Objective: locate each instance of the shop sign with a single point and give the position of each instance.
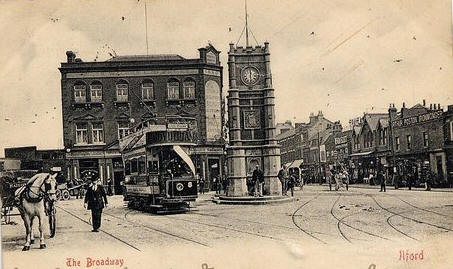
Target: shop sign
(418, 119)
(341, 140)
(177, 126)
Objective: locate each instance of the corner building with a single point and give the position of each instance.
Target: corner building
(102, 100)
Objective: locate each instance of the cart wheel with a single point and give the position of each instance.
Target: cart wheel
(58, 194)
(65, 195)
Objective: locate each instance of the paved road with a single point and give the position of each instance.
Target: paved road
(358, 217)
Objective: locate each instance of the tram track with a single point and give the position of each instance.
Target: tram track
(405, 217)
(420, 208)
(338, 220)
(125, 218)
(227, 228)
(302, 229)
(109, 234)
(396, 229)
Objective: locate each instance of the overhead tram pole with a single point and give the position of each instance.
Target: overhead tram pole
(146, 28)
(246, 26)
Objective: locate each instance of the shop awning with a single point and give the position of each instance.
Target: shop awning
(296, 163)
(185, 157)
(361, 154)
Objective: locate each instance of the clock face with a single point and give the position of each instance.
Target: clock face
(250, 75)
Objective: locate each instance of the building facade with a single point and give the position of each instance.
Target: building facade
(102, 100)
(421, 137)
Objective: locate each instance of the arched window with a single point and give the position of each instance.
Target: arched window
(96, 92)
(122, 91)
(148, 90)
(189, 89)
(173, 89)
(80, 92)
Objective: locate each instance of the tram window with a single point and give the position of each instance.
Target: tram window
(127, 168)
(134, 166)
(141, 165)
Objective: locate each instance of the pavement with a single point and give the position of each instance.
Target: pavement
(361, 219)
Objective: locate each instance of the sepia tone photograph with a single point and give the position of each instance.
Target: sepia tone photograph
(226, 134)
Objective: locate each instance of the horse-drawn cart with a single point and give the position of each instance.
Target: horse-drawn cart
(72, 188)
(9, 186)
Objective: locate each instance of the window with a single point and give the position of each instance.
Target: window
(96, 93)
(134, 165)
(148, 91)
(98, 133)
(121, 92)
(409, 141)
(425, 139)
(397, 143)
(189, 89)
(173, 90)
(123, 129)
(142, 165)
(81, 133)
(80, 94)
(384, 135)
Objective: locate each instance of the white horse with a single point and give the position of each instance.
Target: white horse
(39, 190)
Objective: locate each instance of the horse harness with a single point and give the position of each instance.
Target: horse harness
(40, 195)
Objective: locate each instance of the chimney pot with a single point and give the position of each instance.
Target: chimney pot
(424, 102)
(70, 56)
(438, 106)
(404, 105)
(430, 106)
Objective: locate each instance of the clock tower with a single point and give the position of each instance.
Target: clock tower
(251, 117)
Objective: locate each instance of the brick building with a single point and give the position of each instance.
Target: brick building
(102, 100)
(370, 145)
(421, 136)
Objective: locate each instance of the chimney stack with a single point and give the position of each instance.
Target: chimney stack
(70, 56)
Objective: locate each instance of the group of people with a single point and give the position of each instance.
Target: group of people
(339, 177)
(287, 180)
(218, 184)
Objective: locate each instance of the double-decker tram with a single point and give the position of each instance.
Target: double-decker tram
(159, 172)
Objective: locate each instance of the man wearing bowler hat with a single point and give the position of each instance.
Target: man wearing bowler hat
(95, 200)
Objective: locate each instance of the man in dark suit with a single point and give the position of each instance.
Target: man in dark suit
(258, 180)
(95, 200)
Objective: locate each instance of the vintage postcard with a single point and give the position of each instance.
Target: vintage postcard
(226, 134)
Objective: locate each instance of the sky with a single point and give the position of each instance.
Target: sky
(344, 57)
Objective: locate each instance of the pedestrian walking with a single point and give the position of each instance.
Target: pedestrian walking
(95, 200)
(337, 180)
(291, 183)
(283, 176)
(258, 180)
(109, 187)
(225, 185)
(346, 179)
(329, 178)
(409, 180)
(201, 182)
(380, 177)
(429, 177)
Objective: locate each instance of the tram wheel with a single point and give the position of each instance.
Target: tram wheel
(65, 195)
